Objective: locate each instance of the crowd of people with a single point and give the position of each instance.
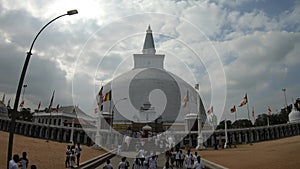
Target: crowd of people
(72, 159)
(174, 158)
(22, 162)
(73, 156)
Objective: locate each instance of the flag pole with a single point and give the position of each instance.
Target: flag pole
(49, 111)
(248, 108)
(235, 115)
(226, 138)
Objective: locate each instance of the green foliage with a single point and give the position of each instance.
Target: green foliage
(222, 125)
(242, 123)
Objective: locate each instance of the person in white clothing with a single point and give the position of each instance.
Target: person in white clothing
(177, 158)
(13, 163)
(136, 164)
(24, 161)
(188, 159)
(122, 164)
(195, 157)
(108, 165)
(152, 162)
(198, 164)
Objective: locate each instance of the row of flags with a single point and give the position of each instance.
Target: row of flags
(244, 102)
(22, 104)
(103, 98)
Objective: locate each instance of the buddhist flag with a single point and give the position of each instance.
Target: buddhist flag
(8, 103)
(211, 110)
(232, 110)
(244, 101)
(197, 86)
(22, 104)
(100, 96)
(57, 107)
(39, 106)
(269, 111)
(51, 101)
(107, 96)
(185, 99)
(3, 98)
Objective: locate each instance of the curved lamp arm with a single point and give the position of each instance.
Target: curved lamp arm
(16, 103)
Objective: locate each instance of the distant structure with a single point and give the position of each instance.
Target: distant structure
(294, 115)
(3, 110)
(64, 116)
(148, 75)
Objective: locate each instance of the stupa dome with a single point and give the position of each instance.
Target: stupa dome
(294, 116)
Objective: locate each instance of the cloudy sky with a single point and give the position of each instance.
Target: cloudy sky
(229, 47)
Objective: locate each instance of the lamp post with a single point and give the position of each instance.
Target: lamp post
(21, 80)
(112, 111)
(24, 88)
(284, 89)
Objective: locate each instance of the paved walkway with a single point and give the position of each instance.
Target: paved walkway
(116, 160)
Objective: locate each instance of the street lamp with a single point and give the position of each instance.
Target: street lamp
(13, 116)
(112, 111)
(24, 87)
(284, 89)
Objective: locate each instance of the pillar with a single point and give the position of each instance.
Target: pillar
(251, 136)
(246, 137)
(257, 135)
(240, 137)
(78, 137)
(64, 135)
(85, 139)
(220, 140)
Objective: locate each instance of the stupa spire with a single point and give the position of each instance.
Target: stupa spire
(149, 47)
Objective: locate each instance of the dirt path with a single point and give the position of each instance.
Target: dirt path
(46, 155)
(276, 154)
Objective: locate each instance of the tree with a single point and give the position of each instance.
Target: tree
(222, 125)
(242, 123)
(297, 104)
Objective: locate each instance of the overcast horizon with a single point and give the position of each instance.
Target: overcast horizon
(228, 47)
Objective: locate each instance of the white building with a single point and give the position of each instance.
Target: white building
(64, 116)
(148, 93)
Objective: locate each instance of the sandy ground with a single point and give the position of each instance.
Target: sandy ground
(282, 153)
(276, 154)
(46, 155)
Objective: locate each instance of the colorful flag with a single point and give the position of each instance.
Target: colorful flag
(197, 86)
(3, 98)
(185, 99)
(51, 101)
(244, 101)
(100, 96)
(57, 107)
(232, 110)
(8, 103)
(39, 106)
(269, 111)
(211, 110)
(107, 96)
(22, 104)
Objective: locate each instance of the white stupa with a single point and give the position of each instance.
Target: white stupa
(148, 92)
(294, 116)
